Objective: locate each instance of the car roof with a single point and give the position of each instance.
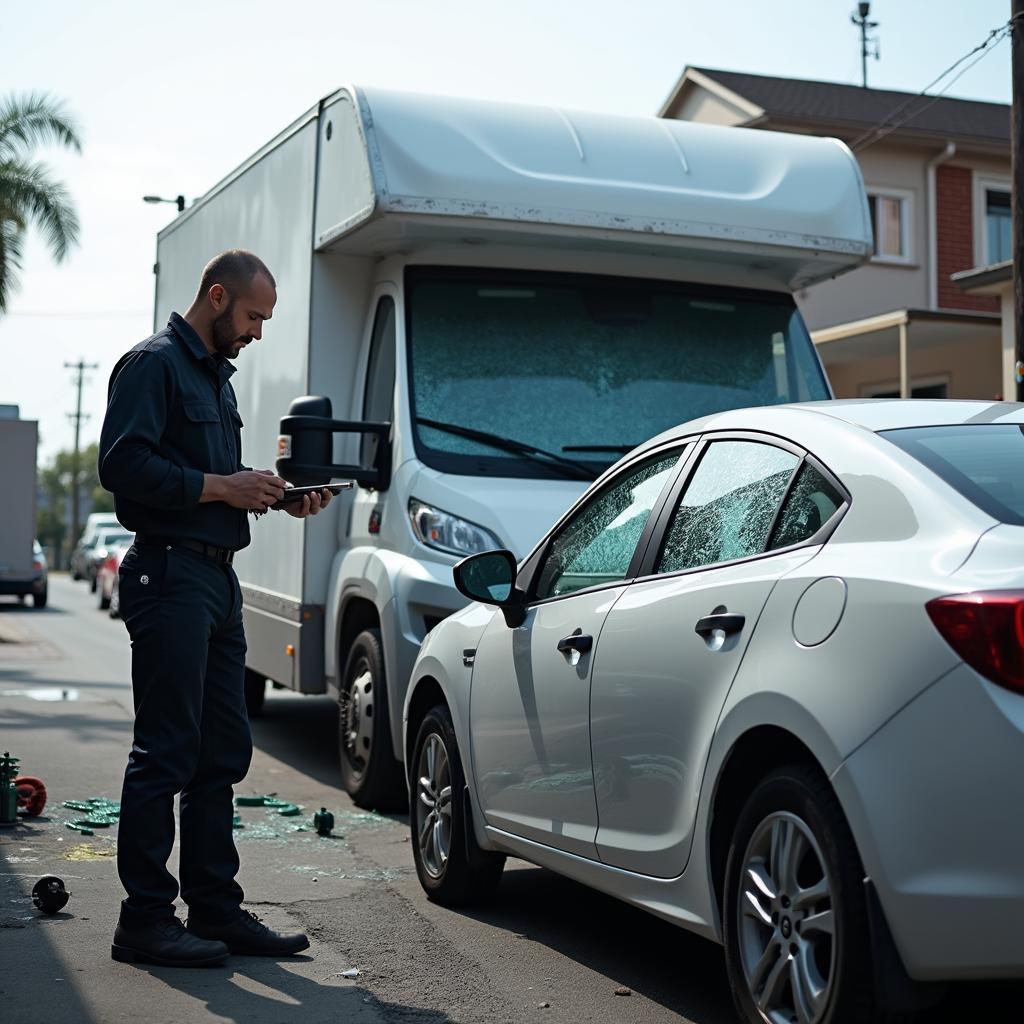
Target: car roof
(875, 415)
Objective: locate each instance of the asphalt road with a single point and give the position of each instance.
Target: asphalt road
(545, 949)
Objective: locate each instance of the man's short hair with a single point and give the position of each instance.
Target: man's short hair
(234, 269)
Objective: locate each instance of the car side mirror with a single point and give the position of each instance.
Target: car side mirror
(490, 578)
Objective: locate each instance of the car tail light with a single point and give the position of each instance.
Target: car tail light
(37, 565)
(987, 630)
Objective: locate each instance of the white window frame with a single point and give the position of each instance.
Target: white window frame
(880, 388)
(984, 183)
(906, 197)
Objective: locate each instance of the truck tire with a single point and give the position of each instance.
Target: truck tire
(451, 867)
(369, 771)
(39, 600)
(255, 692)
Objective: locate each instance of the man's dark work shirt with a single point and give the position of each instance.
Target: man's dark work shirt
(171, 417)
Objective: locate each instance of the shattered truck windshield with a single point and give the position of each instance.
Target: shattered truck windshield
(581, 369)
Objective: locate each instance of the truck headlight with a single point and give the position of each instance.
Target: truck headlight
(445, 532)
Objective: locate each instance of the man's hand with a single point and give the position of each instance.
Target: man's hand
(252, 489)
(311, 504)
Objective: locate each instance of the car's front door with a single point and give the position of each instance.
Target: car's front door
(530, 701)
(672, 644)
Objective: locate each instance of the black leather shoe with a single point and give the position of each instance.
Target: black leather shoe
(166, 943)
(247, 935)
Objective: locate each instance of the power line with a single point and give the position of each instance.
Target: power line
(888, 125)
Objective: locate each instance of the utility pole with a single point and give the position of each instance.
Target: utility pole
(868, 47)
(77, 416)
(1017, 174)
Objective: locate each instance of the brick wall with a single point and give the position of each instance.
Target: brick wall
(954, 237)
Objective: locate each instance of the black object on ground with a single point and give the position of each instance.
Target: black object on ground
(49, 894)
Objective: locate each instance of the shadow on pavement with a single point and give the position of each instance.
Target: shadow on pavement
(281, 995)
(672, 967)
(301, 732)
(14, 607)
(26, 950)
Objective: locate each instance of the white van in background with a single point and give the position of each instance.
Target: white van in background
(486, 305)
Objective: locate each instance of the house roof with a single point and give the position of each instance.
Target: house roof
(856, 108)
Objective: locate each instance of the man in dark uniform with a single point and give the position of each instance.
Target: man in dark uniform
(170, 451)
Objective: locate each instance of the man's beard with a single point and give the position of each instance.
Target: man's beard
(225, 341)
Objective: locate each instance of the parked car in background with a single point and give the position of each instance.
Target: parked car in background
(766, 680)
(106, 577)
(80, 555)
(41, 576)
(106, 541)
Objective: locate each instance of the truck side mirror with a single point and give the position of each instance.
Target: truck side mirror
(490, 578)
(305, 446)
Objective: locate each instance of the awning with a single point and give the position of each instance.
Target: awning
(902, 333)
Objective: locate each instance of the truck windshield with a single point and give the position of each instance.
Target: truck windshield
(585, 367)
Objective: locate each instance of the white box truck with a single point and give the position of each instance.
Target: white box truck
(485, 305)
(21, 562)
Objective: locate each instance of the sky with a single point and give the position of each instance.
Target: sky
(170, 97)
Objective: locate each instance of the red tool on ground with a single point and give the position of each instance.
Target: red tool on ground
(31, 795)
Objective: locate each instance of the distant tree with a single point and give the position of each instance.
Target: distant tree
(28, 193)
(55, 485)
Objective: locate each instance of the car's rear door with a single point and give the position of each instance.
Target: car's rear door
(673, 642)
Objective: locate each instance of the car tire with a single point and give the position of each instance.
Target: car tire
(39, 600)
(255, 692)
(793, 838)
(369, 771)
(92, 584)
(452, 868)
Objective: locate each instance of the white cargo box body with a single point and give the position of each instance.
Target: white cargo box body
(369, 181)
(400, 169)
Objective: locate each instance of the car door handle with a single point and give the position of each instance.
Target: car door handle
(727, 622)
(579, 642)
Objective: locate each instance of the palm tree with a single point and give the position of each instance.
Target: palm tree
(28, 194)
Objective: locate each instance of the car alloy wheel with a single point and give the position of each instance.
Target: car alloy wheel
(433, 806)
(797, 939)
(786, 925)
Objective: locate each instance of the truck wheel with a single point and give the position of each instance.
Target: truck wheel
(255, 692)
(794, 913)
(369, 771)
(39, 600)
(452, 869)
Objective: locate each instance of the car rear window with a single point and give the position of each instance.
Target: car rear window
(983, 461)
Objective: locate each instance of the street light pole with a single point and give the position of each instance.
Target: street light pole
(1017, 192)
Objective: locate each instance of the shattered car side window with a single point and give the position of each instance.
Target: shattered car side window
(728, 507)
(598, 544)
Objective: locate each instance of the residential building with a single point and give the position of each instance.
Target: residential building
(937, 175)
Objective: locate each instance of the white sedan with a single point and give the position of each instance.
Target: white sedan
(766, 680)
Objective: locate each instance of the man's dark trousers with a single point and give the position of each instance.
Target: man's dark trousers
(183, 613)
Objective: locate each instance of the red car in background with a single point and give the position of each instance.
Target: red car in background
(106, 578)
